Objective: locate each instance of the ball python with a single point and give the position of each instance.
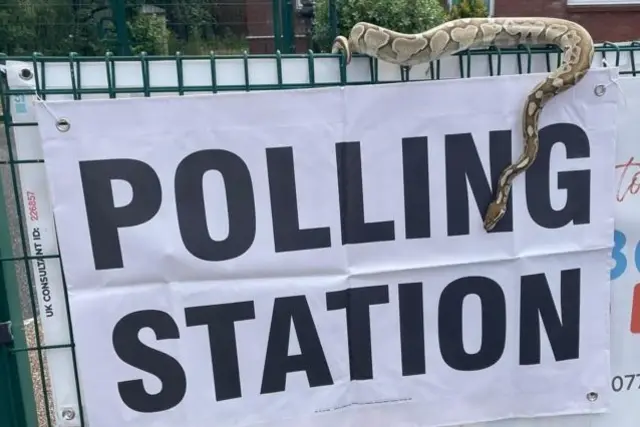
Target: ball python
(462, 34)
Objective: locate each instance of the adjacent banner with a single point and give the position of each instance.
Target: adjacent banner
(317, 257)
(625, 293)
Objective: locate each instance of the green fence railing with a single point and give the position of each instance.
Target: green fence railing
(22, 358)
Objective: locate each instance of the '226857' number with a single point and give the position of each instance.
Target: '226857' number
(33, 206)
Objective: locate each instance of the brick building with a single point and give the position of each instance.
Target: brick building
(606, 20)
(259, 19)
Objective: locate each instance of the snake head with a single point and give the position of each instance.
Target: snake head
(341, 43)
(494, 214)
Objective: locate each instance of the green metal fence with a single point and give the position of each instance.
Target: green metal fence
(25, 400)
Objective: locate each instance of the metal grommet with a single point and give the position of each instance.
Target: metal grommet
(592, 396)
(68, 414)
(26, 74)
(600, 90)
(63, 124)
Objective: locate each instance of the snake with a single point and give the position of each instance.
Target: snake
(462, 34)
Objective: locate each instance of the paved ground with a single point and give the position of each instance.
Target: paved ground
(36, 377)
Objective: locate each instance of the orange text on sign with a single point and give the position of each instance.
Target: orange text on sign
(635, 310)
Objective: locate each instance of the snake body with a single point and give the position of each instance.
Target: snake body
(461, 34)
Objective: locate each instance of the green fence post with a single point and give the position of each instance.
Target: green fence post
(120, 21)
(277, 25)
(17, 403)
(333, 18)
(288, 31)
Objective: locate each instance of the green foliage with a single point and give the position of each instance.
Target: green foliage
(149, 33)
(469, 9)
(406, 16)
(189, 19)
(21, 24)
(57, 27)
(89, 34)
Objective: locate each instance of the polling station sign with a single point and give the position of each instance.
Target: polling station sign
(317, 257)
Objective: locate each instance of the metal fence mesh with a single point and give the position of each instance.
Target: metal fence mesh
(27, 393)
(89, 27)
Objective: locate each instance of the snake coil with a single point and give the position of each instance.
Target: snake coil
(461, 34)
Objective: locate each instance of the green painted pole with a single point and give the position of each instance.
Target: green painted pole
(333, 18)
(120, 21)
(288, 42)
(277, 26)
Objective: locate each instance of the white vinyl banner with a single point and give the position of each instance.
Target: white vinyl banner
(317, 257)
(625, 274)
